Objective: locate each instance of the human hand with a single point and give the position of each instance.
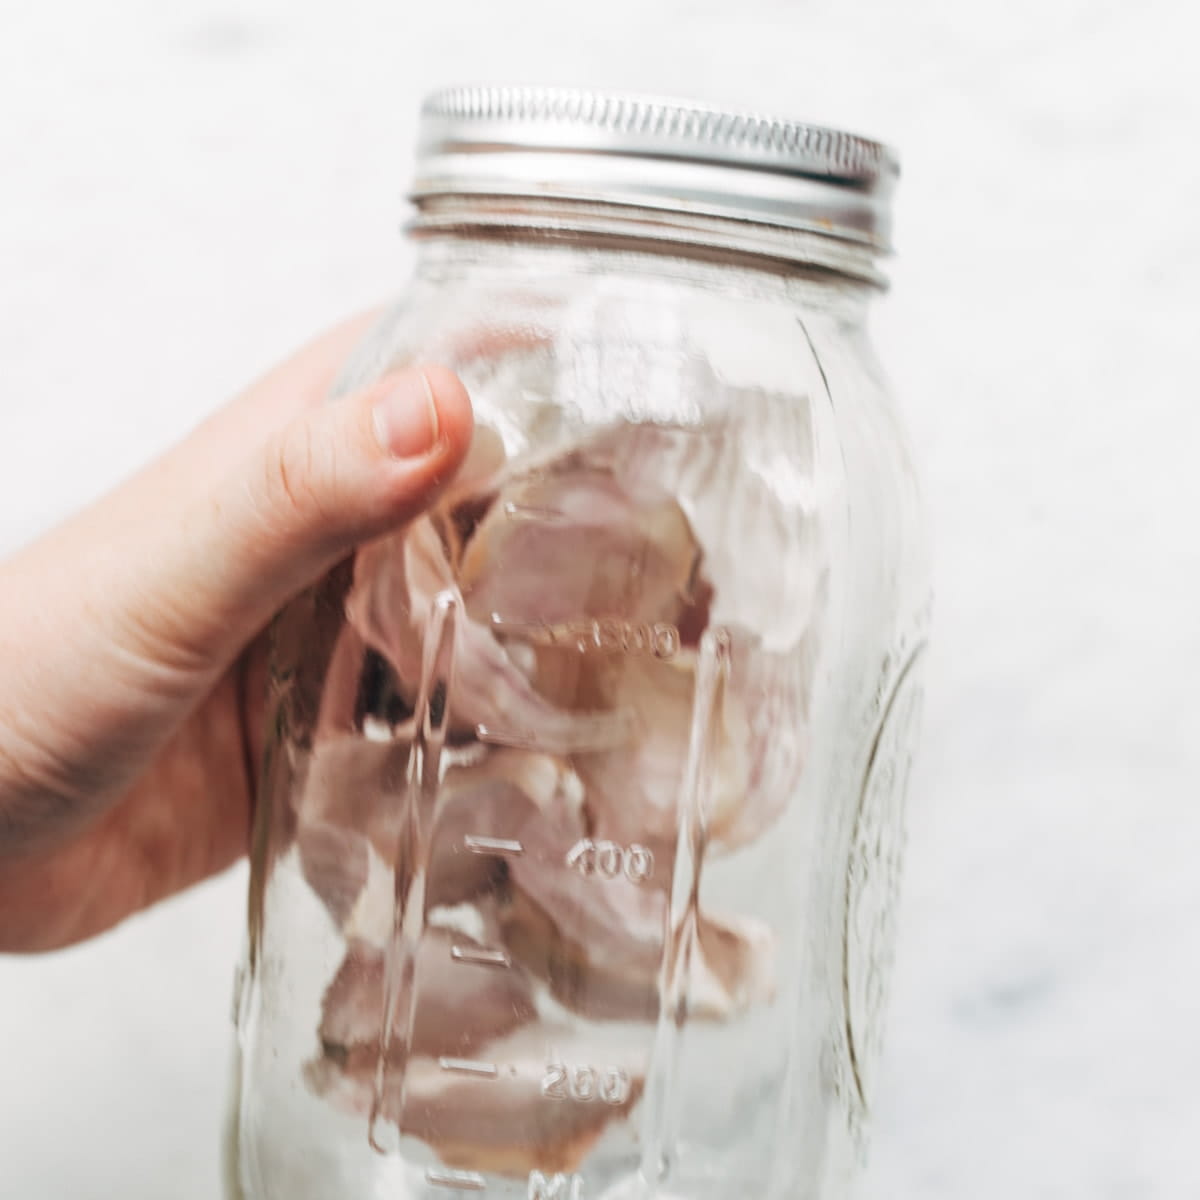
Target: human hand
(130, 635)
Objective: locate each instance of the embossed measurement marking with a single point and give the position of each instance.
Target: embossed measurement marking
(608, 1085)
(468, 1066)
(613, 635)
(506, 737)
(488, 845)
(462, 1181)
(598, 732)
(608, 860)
(481, 955)
(530, 512)
(554, 1187)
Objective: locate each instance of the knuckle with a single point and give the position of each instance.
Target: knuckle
(295, 485)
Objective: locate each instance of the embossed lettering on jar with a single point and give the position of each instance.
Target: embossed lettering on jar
(581, 818)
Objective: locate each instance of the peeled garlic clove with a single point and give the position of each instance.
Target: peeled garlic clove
(583, 979)
(358, 784)
(600, 951)
(335, 863)
(552, 1095)
(351, 817)
(461, 1006)
(500, 797)
(396, 583)
(766, 718)
(748, 499)
(348, 810)
(567, 542)
(470, 494)
(503, 707)
(352, 1007)
(633, 791)
(596, 942)
(732, 967)
(390, 601)
(754, 755)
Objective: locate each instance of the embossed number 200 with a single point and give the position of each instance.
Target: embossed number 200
(608, 1085)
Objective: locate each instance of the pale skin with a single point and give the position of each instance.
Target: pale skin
(131, 635)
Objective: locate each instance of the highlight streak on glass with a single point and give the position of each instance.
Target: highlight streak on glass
(412, 864)
(662, 1111)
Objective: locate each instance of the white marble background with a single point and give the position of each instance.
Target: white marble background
(187, 187)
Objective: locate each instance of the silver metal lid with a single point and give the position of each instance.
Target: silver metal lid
(647, 153)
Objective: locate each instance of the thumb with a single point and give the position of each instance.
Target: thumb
(116, 624)
(334, 477)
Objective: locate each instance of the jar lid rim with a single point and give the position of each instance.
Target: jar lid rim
(544, 141)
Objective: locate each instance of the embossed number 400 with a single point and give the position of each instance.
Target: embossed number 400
(608, 860)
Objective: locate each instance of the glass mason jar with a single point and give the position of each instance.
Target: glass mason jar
(581, 814)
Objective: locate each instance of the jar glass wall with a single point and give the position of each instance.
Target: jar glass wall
(581, 813)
